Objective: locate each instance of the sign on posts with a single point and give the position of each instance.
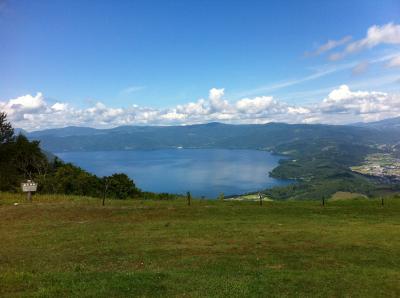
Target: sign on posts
(29, 187)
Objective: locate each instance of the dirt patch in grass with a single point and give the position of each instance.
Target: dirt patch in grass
(343, 195)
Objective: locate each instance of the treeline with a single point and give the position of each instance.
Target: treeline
(21, 160)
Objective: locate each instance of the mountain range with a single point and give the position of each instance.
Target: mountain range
(211, 135)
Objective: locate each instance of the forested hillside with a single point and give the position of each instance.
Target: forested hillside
(21, 159)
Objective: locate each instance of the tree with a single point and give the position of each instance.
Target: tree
(120, 186)
(6, 129)
(71, 180)
(20, 159)
(9, 176)
(29, 158)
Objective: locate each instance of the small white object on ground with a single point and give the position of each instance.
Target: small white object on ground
(16, 204)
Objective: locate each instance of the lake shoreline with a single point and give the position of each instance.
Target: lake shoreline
(233, 171)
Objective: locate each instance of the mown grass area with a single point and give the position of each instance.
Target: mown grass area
(69, 246)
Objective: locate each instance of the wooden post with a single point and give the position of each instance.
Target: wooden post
(104, 197)
(323, 201)
(382, 201)
(260, 196)
(105, 191)
(188, 198)
(29, 196)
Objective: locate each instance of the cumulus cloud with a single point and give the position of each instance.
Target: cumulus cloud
(376, 35)
(341, 105)
(17, 108)
(367, 105)
(260, 104)
(217, 104)
(58, 107)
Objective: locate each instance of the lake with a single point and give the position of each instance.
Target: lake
(203, 172)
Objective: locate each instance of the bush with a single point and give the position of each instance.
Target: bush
(120, 186)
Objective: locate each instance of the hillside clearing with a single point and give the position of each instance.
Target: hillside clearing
(344, 195)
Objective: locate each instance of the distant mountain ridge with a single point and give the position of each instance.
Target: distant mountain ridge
(64, 132)
(211, 135)
(391, 123)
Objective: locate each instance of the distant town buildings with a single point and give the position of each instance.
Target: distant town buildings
(383, 165)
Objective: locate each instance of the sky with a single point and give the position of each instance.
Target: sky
(168, 62)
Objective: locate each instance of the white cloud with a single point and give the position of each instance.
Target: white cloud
(132, 89)
(27, 103)
(345, 101)
(394, 62)
(19, 107)
(260, 104)
(360, 68)
(320, 72)
(216, 94)
(58, 107)
(311, 120)
(376, 35)
(329, 45)
(217, 104)
(341, 105)
(298, 110)
(386, 34)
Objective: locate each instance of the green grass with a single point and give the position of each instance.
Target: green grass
(71, 246)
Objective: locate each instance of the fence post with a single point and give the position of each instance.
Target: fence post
(189, 197)
(105, 190)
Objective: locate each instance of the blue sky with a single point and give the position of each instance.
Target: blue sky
(161, 54)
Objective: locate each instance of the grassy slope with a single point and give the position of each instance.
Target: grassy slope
(60, 246)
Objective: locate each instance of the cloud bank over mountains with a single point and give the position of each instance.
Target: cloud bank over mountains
(340, 106)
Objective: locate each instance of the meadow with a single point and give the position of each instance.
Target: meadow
(61, 246)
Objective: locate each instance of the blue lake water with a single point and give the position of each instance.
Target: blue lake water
(203, 172)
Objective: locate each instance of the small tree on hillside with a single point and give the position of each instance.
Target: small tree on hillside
(120, 186)
(6, 129)
(28, 158)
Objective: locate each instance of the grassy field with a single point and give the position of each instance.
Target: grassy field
(70, 246)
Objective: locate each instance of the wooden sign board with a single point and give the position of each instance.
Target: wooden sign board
(29, 186)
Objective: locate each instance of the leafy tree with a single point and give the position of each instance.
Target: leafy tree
(29, 158)
(6, 130)
(71, 180)
(9, 175)
(120, 186)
